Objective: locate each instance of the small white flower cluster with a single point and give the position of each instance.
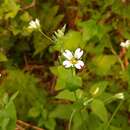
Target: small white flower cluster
(73, 60)
(119, 96)
(125, 44)
(34, 24)
(59, 33)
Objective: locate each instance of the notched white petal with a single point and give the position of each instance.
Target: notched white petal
(122, 44)
(67, 64)
(68, 54)
(125, 44)
(34, 24)
(37, 22)
(78, 53)
(79, 64)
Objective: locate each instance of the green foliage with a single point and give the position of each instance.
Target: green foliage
(31, 64)
(66, 80)
(9, 9)
(2, 57)
(103, 63)
(99, 109)
(29, 95)
(7, 112)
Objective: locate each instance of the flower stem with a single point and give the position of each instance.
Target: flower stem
(70, 120)
(73, 71)
(119, 59)
(45, 35)
(115, 112)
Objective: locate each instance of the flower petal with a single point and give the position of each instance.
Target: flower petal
(67, 64)
(68, 54)
(122, 44)
(37, 22)
(78, 53)
(79, 64)
(32, 24)
(127, 43)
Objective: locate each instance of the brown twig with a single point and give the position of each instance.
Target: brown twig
(122, 55)
(122, 52)
(27, 125)
(126, 62)
(18, 127)
(32, 67)
(29, 6)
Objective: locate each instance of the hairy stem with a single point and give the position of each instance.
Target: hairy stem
(45, 35)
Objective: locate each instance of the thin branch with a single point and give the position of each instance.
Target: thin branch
(29, 6)
(122, 54)
(27, 125)
(32, 67)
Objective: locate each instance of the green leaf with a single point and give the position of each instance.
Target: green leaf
(50, 124)
(61, 112)
(99, 109)
(40, 43)
(102, 64)
(72, 40)
(115, 128)
(90, 29)
(8, 115)
(9, 9)
(25, 17)
(73, 83)
(66, 94)
(3, 57)
(34, 112)
(66, 80)
(99, 87)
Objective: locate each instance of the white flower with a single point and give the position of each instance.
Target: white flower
(119, 96)
(73, 60)
(125, 44)
(34, 24)
(59, 33)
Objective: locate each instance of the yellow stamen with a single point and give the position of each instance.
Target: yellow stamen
(73, 61)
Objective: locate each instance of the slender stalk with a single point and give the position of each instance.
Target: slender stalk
(73, 71)
(113, 115)
(71, 117)
(84, 126)
(75, 95)
(119, 59)
(45, 35)
(109, 99)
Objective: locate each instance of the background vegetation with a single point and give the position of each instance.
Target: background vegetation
(37, 91)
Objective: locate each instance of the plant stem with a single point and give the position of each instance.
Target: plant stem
(119, 59)
(73, 71)
(45, 35)
(71, 117)
(115, 112)
(84, 125)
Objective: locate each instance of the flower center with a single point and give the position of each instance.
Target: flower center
(73, 61)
